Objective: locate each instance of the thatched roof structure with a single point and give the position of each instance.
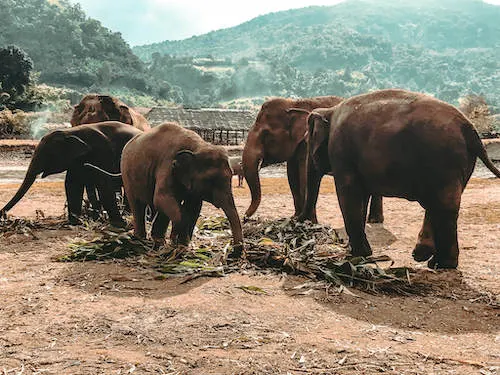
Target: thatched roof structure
(209, 118)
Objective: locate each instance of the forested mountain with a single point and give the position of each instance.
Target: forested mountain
(430, 24)
(69, 48)
(449, 48)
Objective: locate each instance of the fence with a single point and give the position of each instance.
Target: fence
(221, 136)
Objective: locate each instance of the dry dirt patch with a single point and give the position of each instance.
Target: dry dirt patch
(115, 317)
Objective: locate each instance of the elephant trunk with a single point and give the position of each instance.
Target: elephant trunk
(29, 179)
(250, 162)
(231, 213)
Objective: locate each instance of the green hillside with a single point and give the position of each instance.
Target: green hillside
(68, 48)
(449, 48)
(431, 24)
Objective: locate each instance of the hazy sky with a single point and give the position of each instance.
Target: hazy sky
(149, 21)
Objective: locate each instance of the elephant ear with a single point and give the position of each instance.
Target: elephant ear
(110, 107)
(293, 117)
(182, 168)
(318, 132)
(125, 115)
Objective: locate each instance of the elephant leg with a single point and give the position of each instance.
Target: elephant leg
(425, 247)
(95, 204)
(240, 181)
(108, 200)
(170, 207)
(292, 169)
(139, 213)
(191, 211)
(159, 228)
(376, 210)
(74, 195)
(126, 204)
(182, 234)
(312, 185)
(353, 204)
(443, 214)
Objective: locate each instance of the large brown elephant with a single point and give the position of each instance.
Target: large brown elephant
(98, 108)
(173, 170)
(397, 143)
(278, 136)
(95, 108)
(68, 150)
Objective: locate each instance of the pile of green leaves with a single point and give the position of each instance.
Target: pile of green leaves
(286, 245)
(316, 251)
(110, 245)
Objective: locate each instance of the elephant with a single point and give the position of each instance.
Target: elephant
(397, 143)
(95, 108)
(277, 136)
(318, 165)
(237, 168)
(67, 150)
(173, 170)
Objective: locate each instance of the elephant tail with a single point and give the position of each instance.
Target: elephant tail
(477, 147)
(102, 171)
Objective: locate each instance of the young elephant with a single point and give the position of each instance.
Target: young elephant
(67, 150)
(173, 170)
(397, 143)
(235, 163)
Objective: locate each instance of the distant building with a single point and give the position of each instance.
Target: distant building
(218, 126)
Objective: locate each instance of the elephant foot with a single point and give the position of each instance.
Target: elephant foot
(180, 241)
(237, 252)
(423, 252)
(158, 242)
(306, 216)
(361, 251)
(375, 219)
(74, 220)
(94, 214)
(118, 223)
(435, 263)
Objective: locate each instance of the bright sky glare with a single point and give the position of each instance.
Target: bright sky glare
(149, 21)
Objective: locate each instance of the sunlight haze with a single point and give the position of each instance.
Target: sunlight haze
(151, 21)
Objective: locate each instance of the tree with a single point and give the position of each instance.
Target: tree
(15, 71)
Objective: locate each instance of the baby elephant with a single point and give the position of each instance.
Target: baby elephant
(173, 170)
(236, 166)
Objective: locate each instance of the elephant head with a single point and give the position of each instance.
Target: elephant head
(273, 139)
(206, 174)
(95, 108)
(54, 154)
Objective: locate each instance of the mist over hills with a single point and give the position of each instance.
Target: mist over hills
(449, 48)
(431, 24)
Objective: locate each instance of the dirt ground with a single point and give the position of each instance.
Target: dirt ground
(111, 318)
